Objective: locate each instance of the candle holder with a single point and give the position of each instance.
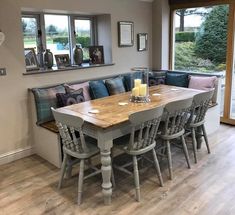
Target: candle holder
(140, 89)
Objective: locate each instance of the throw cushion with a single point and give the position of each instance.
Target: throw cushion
(45, 98)
(201, 82)
(128, 79)
(65, 99)
(74, 87)
(179, 80)
(98, 89)
(204, 83)
(115, 85)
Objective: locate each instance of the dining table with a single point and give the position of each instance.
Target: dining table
(107, 119)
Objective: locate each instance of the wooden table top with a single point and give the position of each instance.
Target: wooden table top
(112, 113)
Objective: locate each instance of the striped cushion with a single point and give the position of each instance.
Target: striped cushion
(115, 85)
(45, 98)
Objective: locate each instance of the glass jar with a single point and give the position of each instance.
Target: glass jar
(140, 85)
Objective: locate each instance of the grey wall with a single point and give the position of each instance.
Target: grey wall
(160, 22)
(14, 110)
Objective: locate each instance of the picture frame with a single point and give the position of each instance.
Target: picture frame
(31, 61)
(96, 54)
(62, 60)
(142, 41)
(125, 33)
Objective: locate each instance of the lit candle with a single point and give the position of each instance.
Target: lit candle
(137, 82)
(143, 90)
(135, 91)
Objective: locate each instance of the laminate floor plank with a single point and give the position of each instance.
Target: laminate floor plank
(29, 186)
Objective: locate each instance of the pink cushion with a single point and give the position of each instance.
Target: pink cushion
(201, 82)
(75, 87)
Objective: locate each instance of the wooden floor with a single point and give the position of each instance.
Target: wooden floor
(28, 186)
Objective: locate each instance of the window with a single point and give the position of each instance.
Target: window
(30, 31)
(59, 33)
(83, 35)
(200, 39)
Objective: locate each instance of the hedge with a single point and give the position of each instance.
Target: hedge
(84, 41)
(185, 36)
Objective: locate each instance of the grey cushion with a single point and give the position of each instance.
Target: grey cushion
(115, 85)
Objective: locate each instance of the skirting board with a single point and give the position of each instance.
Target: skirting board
(15, 155)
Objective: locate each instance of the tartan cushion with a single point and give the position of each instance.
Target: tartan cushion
(65, 99)
(115, 86)
(45, 98)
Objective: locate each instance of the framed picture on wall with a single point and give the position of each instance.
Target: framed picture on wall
(142, 41)
(125, 33)
(31, 61)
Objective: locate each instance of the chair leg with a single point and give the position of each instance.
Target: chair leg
(62, 171)
(69, 168)
(194, 144)
(169, 159)
(136, 178)
(157, 167)
(80, 181)
(206, 139)
(113, 179)
(185, 151)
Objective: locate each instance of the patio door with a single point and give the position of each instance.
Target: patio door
(203, 41)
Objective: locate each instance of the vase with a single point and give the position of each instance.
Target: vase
(48, 59)
(78, 55)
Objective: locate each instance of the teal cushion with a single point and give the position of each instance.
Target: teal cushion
(115, 85)
(98, 89)
(179, 80)
(128, 79)
(45, 98)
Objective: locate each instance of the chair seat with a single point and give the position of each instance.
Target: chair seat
(91, 145)
(122, 144)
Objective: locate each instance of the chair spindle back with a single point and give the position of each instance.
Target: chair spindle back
(67, 125)
(144, 128)
(176, 116)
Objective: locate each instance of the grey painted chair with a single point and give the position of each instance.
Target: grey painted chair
(175, 117)
(140, 141)
(197, 119)
(82, 148)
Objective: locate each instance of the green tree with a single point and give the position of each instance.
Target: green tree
(24, 25)
(211, 40)
(51, 30)
(182, 13)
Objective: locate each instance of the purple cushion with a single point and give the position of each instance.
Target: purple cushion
(74, 87)
(65, 99)
(201, 82)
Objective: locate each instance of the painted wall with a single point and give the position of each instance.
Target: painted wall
(14, 108)
(161, 33)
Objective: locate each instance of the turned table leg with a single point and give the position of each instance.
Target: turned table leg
(106, 169)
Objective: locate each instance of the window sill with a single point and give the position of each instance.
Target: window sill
(71, 68)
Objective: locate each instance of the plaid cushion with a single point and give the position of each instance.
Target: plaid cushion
(45, 98)
(115, 85)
